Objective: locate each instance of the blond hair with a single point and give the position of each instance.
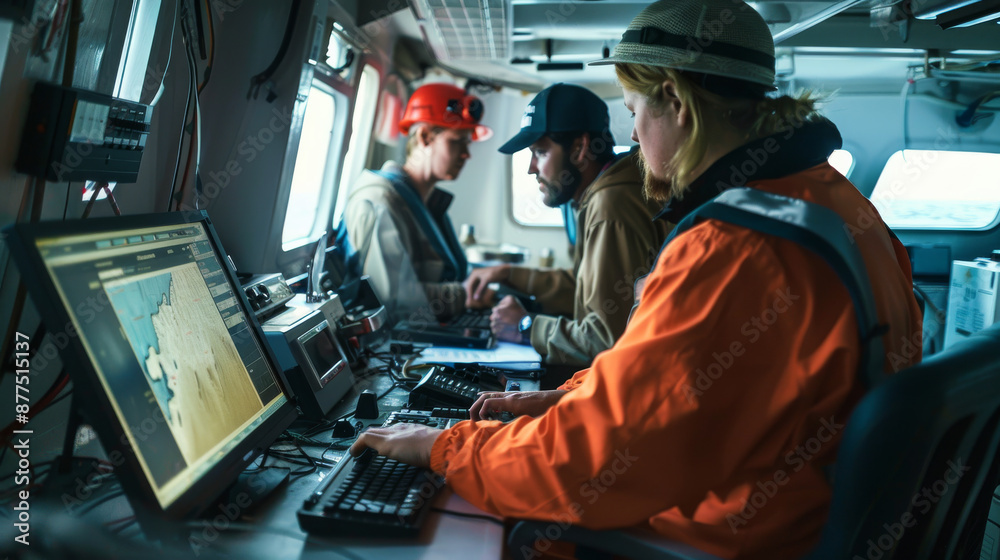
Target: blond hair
(413, 138)
(755, 118)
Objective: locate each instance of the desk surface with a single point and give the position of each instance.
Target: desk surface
(269, 528)
(442, 536)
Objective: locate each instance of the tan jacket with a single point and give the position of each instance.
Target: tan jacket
(617, 241)
(401, 261)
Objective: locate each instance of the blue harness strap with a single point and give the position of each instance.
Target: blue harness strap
(569, 221)
(345, 254)
(445, 243)
(818, 229)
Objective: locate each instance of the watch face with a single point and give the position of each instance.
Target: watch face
(525, 323)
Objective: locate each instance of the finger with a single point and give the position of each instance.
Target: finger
(478, 405)
(467, 286)
(364, 441)
(480, 288)
(492, 408)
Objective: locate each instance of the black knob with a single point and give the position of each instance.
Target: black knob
(367, 408)
(343, 429)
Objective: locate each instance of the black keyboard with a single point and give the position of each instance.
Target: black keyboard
(374, 496)
(470, 319)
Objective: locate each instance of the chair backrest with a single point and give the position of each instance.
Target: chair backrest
(918, 462)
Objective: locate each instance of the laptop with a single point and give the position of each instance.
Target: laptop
(443, 335)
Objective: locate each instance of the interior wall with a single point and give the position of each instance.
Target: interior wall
(245, 40)
(245, 137)
(22, 68)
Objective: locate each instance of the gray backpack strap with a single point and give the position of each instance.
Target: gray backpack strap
(818, 229)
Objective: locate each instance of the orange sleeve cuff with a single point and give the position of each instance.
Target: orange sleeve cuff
(575, 381)
(442, 450)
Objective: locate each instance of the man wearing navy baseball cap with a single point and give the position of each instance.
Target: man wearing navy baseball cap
(609, 223)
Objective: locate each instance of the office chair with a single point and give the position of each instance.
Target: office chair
(901, 488)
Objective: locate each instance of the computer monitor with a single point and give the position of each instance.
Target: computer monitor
(168, 365)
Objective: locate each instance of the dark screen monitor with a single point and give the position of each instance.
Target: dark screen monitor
(168, 365)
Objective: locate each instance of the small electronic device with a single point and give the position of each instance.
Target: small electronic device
(464, 337)
(168, 363)
(304, 340)
(508, 370)
(973, 298)
(444, 386)
(929, 261)
(362, 325)
(470, 318)
(267, 294)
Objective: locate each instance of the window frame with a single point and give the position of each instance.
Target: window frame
(991, 225)
(343, 186)
(850, 168)
(331, 168)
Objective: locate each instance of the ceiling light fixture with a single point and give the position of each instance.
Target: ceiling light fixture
(980, 12)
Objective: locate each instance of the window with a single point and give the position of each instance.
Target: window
(528, 207)
(361, 134)
(929, 189)
(132, 72)
(313, 169)
(842, 161)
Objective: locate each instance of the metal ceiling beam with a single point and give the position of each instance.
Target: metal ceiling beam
(814, 19)
(924, 35)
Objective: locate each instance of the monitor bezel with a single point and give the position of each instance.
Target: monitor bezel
(92, 402)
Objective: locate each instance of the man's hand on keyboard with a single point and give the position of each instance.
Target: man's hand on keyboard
(409, 443)
(489, 406)
(505, 318)
(477, 293)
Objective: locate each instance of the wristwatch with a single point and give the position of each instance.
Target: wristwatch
(524, 327)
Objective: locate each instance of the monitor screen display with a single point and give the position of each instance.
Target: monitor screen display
(322, 352)
(181, 378)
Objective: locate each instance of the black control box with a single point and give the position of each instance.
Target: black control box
(76, 135)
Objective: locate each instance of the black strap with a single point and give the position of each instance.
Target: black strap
(818, 229)
(690, 44)
(439, 233)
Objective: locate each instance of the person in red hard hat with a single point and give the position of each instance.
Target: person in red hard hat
(396, 218)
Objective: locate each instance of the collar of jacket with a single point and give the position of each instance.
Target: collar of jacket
(771, 157)
(437, 203)
(622, 169)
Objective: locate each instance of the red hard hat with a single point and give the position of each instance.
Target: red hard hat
(445, 105)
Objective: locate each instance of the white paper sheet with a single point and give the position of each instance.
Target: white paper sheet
(503, 352)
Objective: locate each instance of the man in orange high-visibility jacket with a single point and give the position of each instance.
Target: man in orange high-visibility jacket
(711, 419)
